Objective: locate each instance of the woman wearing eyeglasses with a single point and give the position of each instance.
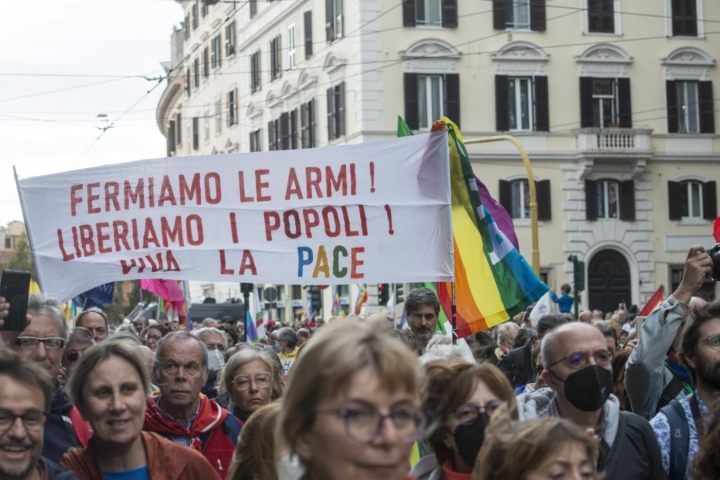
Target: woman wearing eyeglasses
(351, 410)
(154, 334)
(459, 400)
(249, 382)
(109, 386)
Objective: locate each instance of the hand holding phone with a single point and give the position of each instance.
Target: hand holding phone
(14, 290)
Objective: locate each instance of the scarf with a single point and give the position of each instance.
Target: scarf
(209, 417)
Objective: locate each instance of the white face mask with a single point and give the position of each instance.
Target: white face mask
(216, 360)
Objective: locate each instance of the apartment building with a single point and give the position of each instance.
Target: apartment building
(612, 99)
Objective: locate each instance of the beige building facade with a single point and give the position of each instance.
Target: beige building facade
(612, 100)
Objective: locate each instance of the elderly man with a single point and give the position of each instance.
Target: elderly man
(43, 342)
(96, 322)
(216, 343)
(505, 337)
(287, 341)
(180, 413)
(422, 307)
(210, 323)
(79, 341)
(303, 335)
(654, 376)
(140, 324)
(700, 354)
(578, 371)
(25, 391)
(586, 316)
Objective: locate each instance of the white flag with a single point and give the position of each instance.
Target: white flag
(542, 307)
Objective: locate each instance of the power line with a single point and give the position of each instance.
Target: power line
(61, 90)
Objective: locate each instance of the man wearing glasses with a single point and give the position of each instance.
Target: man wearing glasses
(25, 390)
(578, 370)
(43, 342)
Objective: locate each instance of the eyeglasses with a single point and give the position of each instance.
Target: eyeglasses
(72, 355)
(713, 341)
(468, 412)
(580, 359)
(32, 342)
(33, 420)
(154, 338)
(364, 424)
(262, 380)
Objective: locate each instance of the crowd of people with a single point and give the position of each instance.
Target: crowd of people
(604, 396)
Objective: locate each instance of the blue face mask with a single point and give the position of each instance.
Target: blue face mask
(277, 346)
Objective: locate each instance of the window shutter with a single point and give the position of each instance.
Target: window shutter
(449, 14)
(627, 201)
(710, 200)
(253, 8)
(624, 102)
(505, 196)
(590, 201)
(328, 21)
(707, 112)
(674, 207)
(502, 113)
(672, 106)
(308, 34)
(178, 123)
(498, 14)
(340, 109)
(303, 126)
(271, 135)
(452, 97)
(409, 19)
(586, 110)
(284, 132)
(171, 137)
(412, 116)
(542, 104)
(543, 200)
(196, 133)
(278, 57)
(311, 123)
(537, 15)
(330, 113)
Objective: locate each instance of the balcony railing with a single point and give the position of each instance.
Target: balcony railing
(612, 139)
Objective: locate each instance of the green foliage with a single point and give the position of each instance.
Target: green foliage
(22, 259)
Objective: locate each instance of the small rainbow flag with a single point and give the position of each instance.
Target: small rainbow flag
(362, 298)
(493, 282)
(336, 302)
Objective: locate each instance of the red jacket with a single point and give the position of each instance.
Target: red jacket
(208, 433)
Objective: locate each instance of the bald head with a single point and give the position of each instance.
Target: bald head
(585, 316)
(569, 338)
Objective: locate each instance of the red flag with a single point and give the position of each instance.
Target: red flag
(653, 303)
(716, 230)
(169, 291)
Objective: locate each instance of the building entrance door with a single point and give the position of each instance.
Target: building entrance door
(608, 281)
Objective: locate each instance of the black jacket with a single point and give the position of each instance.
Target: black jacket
(59, 434)
(53, 471)
(635, 454)
(517, 366)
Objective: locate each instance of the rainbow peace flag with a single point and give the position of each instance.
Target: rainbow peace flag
(362, 298)
(493, 282)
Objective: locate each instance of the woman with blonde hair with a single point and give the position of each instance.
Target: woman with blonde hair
(540, 449)
(255, 451)
(353, 411)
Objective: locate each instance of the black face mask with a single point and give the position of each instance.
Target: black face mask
(588, 389)
(469, 438)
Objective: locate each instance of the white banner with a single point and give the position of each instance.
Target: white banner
(378, 212)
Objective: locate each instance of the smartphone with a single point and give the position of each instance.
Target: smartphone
(15, 288)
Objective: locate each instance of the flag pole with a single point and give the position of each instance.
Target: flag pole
(454, 314)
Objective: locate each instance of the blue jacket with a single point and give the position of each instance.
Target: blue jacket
(53, 471)
(59, 434)
(564, 302)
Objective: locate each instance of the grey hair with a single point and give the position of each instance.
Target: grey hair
(208, 321)
(80, 336)
(240, 358)
(179, 335)
(42, 305)
(551, 320)
(547, 348)
(503, 330)
(289, 335)
(104, 316)
(421, 297)
(125, 336)
(200, 331)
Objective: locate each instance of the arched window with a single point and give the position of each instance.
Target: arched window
(607, 193)
(691, 196)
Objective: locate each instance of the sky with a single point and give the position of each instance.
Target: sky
(53, 43)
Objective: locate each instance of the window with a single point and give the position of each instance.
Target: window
(286, 131)
(520, 191)
(216, 52)
(274, 134)
(307, 124)
(601, 16)
(333, 20)
(218, 116)
(684, 18)
(255, 72)
(186, 26)
(203, 10)
(232, 108)
(188, 80)
(230, 39)
(428, 12)
(291, 47)
(170, 138)
(196, 70)
(610, 199)
(429, 97)
(253, 8)
(255, 145)
(519, 14)
(206, 62)
(690, 107)
(195, 133)
(336, 111)
(206, 124)
(275, 59)
(7, 243)
(605, 102)
(307, 24)
(520, 103)
(692, 199)
(189, 137)
(194, 13)
(515, 198)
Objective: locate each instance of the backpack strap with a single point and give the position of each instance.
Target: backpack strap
(670, 392)
(231, 427)
(679, 439)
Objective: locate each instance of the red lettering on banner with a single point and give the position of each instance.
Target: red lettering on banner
(102, 237)
(309, 224)
(218, 189)
(233, 227)
(346, 219)
(166, 192)
(174, 234)
(91, 198)
(75, 242)
(86, 240)
(353, 180)
(74, 200)
(151, 192)
(137, 197)
(260, 185)
(150, 235)
(223, 265)
(66, 257)
(241, 181)
(272, 222)
(298, 230)
(247, 263)
(199, 238)
(135, 236)
(363, 220)
(293, 186)
(313, 177)
(332, 226)
(156, 263)
(111, 196)
(193, 191)
(338, 184)
(120, 232)
(355, 262)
